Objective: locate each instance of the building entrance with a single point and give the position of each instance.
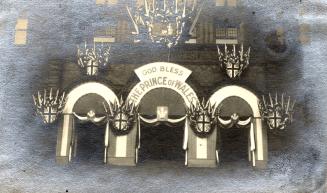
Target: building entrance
(234, 141)
(90, 142)
(162, 140)
(234, 145)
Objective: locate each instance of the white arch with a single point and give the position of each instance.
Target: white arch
(87, 88)
(193, 98)
(252, 100)
(162, 75)
(73, 96)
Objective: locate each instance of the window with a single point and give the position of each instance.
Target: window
(123, 31)
(105, 35)
(21, 32)
(226, 35)
(106, 2)
(304, 36)
(140, 3)
(232, 33)
(220, 33)
(231, 3)
(220, 2)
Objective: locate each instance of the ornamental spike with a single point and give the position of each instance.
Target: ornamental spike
(105, 108)
(45, 97)
(34, 100)
(184, 9)
(50, 95)
(218, 50)
(234, 50)
(226, 51)
(241, 52)
(112, 107)
(203, 103)
(277, 114)
(288, 103)
(40, 98)
(153, 5)
(56, 97)
(271, 101)
(193, 6)
(292, 107)
(146, 7)
(121, 100)
(264, 101)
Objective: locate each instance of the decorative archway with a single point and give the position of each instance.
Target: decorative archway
(65, 130)
(261, 151)
(163, 75)
(198, 151)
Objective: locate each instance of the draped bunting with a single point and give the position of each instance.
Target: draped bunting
(234, 121)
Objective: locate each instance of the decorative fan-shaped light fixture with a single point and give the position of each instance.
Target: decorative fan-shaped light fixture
(202, 118)
(234, 61)
(91, 59)
(277, 114)
(121, 116)
(49, 104)
(164, 21)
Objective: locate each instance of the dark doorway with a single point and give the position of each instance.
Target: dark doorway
(90, 142)
(234, 144)
(162, 142)
(234, 141)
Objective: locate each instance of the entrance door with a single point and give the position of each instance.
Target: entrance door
(162, 141)
(234, 141)
(90, 142)
(234, 145)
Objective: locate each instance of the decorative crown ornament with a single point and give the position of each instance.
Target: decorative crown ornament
(234, 62)
(91, 59)
(49, 104)
(121, 116)
(164, 21)
(277, 114)
(202, 118)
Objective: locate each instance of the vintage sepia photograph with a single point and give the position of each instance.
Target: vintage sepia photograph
(163, 96)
